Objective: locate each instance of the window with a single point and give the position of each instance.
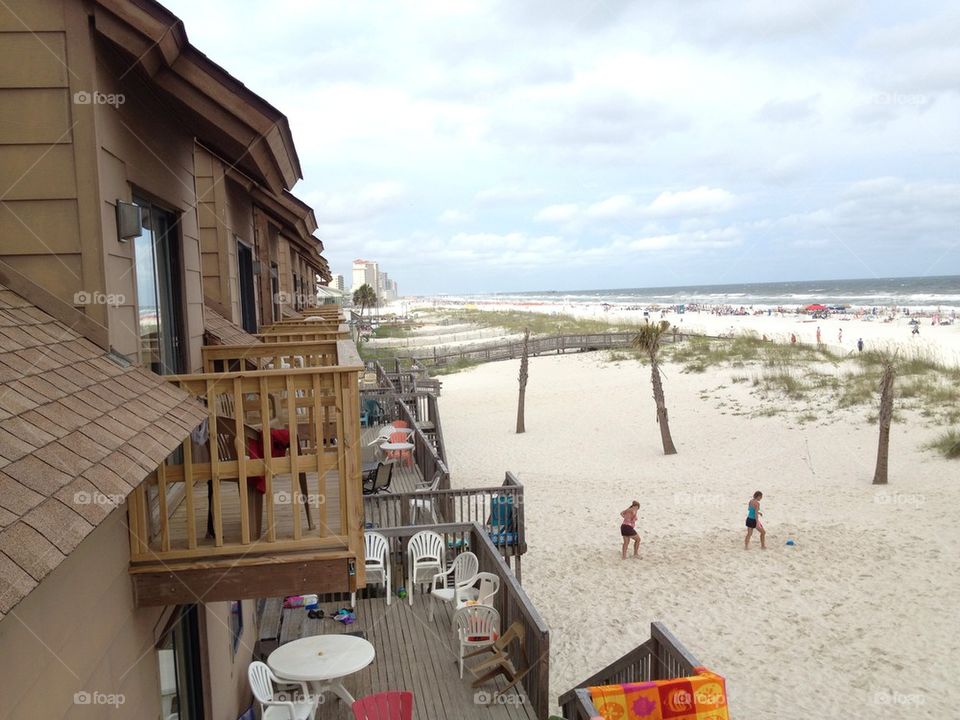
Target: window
(159, 291)
(181, 682)
(248, 300)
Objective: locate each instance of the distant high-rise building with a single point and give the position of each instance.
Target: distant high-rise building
(336, 282)
(383, 286)
(365, 272)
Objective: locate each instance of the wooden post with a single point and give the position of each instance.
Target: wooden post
(886, 418)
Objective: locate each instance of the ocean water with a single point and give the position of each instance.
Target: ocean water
(919, 292)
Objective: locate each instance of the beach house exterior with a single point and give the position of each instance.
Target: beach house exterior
(146, 218)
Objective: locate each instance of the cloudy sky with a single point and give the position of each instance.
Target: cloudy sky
(498, 145)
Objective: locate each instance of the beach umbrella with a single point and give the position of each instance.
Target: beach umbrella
(816, 306)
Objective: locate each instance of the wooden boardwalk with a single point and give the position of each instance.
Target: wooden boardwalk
(412, 653)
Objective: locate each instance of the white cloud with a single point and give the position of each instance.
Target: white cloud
(351, 206)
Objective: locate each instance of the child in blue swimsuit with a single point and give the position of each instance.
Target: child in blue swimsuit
(753, 522)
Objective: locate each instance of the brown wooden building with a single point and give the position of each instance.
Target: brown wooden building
(145, 214)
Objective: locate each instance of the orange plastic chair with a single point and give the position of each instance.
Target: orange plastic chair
(403, 455)
(400, 424)
(393, 705)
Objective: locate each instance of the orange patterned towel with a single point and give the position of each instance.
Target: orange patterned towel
(700, 697)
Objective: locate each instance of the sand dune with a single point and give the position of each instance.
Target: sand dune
(857, 620)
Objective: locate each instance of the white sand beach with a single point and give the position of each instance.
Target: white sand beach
(857, 620)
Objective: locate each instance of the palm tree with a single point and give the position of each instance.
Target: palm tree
(886, 417)
(648, 340)
(365, 297)
(524, 360)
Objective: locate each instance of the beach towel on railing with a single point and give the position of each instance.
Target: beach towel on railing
(699, 697)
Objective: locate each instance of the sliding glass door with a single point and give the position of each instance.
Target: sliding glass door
(159, 291)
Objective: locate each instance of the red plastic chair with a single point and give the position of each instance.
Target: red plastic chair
(405, 456)
(400, 424)
(393, 705)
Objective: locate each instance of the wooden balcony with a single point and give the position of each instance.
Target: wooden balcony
(330, 313)
(269, 502)
(303, 331)
(270, 356)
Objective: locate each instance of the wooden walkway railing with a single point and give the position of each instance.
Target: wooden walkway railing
(461, 505)
(538, 346)
(512, 602)
(662, 657)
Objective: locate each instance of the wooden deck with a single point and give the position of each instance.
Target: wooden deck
(412, 653)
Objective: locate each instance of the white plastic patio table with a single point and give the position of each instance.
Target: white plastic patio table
(395, 447)
(321, 661)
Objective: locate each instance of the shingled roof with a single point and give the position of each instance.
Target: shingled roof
(220, 331)
(77, 427)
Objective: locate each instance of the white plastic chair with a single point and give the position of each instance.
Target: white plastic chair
(386, 431)
(262, 680)
(376, 562)
(463, 570)
(481, 589)
(424, 505)
(424, 559)
(476, 626)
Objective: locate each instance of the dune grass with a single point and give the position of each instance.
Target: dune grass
(454, 367)
(539, 323)
(947, 444)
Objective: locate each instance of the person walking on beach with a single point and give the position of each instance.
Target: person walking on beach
(753, 523)
(860, 345)
(818, 334)
(840, 336)
(628, 530)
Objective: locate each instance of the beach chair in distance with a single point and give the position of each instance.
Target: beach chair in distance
(500, 525)
(446, 586)
(477, 626)
(392, 705)
(373, 410)
(425, 558)
(379, 480)
(498, 661)
(481, 590)
(376, 563)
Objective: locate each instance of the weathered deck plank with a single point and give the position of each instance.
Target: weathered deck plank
(412, 654)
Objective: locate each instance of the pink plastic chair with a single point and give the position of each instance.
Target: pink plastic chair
(403, 455)
(393, 705)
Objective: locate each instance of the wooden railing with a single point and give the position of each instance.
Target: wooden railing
(662, 657)
(269, 356)
(538, 346)
(318, 409)
(466, 505)
(330, 313)
(511, 602)
(291, 332)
